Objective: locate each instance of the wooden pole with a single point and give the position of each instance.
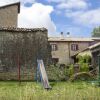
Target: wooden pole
(99, 69)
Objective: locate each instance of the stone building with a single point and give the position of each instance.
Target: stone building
(9, 14)
(63, 48)
(20, 47)
(93, 51)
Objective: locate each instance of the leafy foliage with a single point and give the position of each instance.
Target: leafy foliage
(96, 32)
(83, 62)
(71, 70)
(57, 73)
(81, 76)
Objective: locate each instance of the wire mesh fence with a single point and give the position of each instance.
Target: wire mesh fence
(19, 52)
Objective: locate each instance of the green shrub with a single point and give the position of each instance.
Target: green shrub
(84, 61)
(71, 70)
(84, 67)
(56, 73)
(83, 76)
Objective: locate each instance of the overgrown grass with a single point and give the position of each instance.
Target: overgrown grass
(60, 91)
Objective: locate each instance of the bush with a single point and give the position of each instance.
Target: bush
(83, 76)
(84, 62)
(84, 59)
(84, 67)
(71, 70)
(56, 73)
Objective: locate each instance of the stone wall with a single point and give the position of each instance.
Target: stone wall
(8, 16)
(21, 48)
(81, 46)
(64, 52)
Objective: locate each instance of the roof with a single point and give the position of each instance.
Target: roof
(65, 39)
(95, 45)
(96, 38)
(4, 4)
(88, 49)
(83, 52)
(87, 52)
(21, 29)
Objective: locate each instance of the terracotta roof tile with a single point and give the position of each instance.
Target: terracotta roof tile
(59, 39)
(22, 29)
(94, 46)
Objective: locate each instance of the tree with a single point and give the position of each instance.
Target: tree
(96, 32)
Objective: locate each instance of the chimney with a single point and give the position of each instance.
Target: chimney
(68, 34)
(62, 35)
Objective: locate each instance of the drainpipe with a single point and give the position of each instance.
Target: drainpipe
(69, 52)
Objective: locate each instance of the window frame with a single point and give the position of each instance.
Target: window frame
(74, 47)
(54, 47)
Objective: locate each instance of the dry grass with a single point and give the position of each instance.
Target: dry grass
(60, 91)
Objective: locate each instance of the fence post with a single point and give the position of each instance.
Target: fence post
(99, 69)
(18, 69)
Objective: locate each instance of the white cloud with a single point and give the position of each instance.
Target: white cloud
(56, 1)
(73, 4)
(27, 1)
(73, 14)
(70, 4)
(89, 18)
(36, 16)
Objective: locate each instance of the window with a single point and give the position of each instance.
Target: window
(54, 47)
(74, 47)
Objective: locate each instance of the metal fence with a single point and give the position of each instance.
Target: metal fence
(18, 55)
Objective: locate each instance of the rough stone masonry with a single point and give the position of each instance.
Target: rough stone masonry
(22, 47)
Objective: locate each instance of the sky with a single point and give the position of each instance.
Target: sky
(78, 17)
